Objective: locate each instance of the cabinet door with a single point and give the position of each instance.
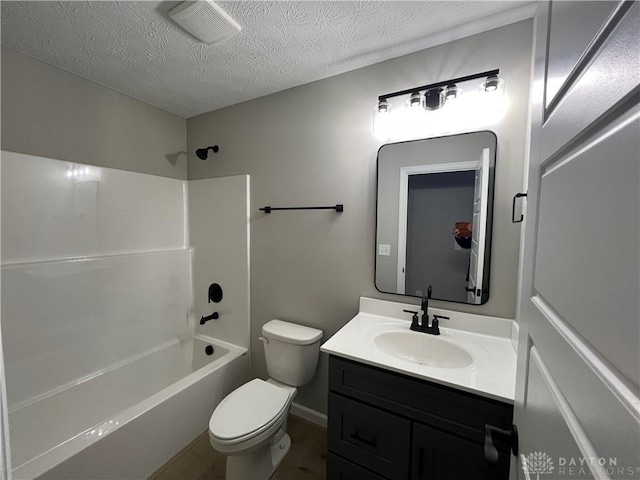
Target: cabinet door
(340, 469)
(438, 455)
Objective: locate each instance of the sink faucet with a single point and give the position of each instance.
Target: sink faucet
(423, 326)
(424, 307)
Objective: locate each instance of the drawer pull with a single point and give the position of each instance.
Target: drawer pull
(371, 441)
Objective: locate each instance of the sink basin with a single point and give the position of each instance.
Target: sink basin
(423, 349)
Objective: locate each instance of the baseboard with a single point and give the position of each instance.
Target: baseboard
(309, 414)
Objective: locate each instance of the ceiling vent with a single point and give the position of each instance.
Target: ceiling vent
(204, 20)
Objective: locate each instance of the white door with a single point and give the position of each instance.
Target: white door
(577, 398)
(479, 230)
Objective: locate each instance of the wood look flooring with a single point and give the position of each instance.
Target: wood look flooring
(305, 461)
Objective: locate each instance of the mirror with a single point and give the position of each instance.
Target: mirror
(434, 216)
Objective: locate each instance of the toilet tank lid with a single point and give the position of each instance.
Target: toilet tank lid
(291, 332)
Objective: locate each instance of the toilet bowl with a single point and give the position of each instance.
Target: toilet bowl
(249, 425)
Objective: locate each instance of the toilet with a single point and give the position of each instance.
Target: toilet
(249, 425)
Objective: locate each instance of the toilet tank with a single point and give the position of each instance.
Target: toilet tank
(291, 351)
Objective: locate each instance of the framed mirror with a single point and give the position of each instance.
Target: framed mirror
(434, 217)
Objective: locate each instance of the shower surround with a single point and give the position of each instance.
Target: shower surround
(98, 319)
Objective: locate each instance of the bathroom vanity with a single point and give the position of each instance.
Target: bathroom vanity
(409, 405)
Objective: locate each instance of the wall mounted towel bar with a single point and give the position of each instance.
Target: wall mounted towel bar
(338, 208)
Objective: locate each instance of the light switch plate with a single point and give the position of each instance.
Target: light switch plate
(384, 250)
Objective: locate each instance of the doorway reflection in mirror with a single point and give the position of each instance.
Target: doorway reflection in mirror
(434, 217)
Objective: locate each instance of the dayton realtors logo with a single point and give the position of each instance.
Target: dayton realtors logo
(537, 463)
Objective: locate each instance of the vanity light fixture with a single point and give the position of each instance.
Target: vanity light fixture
(408, 122)
(490, 76)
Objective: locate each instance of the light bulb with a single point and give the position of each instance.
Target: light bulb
(384, 106)
(414, 100)
(382, 121)
(491, 83)
(452, 92)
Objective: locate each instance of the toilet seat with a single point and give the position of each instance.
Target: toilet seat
(249, 413)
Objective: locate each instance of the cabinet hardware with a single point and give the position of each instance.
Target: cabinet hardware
(490, 450)
(371, 441)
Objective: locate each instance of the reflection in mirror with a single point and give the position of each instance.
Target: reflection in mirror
(434, 216)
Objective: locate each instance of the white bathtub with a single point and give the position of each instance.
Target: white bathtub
(127, 421)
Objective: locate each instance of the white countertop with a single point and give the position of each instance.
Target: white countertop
(491, 374)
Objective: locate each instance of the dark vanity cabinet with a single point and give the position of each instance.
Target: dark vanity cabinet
(384, 425)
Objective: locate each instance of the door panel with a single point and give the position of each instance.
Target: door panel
(577, 392)
(612, 76)
(545, 422)
(572, 30)
(603, 406)
(599, 181)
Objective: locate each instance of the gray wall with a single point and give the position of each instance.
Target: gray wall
(313, 145)
(435, 203)
(52, 113)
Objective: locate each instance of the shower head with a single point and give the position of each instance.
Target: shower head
(202, 153)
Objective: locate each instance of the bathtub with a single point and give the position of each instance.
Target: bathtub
(126, 421)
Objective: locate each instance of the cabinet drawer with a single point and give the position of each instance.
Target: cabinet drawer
(368, 436)
(340, 469)
(462, 413)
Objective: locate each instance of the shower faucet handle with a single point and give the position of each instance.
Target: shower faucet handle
(214, 294)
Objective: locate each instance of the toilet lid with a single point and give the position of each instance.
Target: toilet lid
(247, 409)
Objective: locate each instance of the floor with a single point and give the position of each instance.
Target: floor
(305, 461)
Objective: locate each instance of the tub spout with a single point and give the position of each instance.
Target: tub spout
(213, 316)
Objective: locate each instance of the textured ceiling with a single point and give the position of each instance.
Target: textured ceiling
(134, 48)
